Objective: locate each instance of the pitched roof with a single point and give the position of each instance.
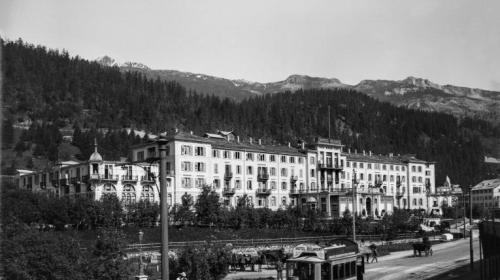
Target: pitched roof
(487, 184)
(224, 144)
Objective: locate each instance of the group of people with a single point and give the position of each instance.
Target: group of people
(373, 252)
(242, 261)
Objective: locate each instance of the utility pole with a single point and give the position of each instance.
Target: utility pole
(465, 208)
(162, 143)
(354, 183)
(470, 232)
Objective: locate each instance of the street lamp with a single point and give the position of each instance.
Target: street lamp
(162, 143)
(470, 235)
(141, 265)
(354, 184)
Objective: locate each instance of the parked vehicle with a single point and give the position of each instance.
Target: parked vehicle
(446, 237)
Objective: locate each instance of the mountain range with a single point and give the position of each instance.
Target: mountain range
(412, 92)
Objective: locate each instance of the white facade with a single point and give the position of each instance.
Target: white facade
(486, 194)
(319, 175)
(93, 178)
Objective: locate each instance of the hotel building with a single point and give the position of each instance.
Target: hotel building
(318, 175)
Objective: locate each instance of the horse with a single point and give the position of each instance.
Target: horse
(419, 247)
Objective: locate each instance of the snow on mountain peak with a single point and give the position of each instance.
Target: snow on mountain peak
(106, 61)
(111, 62)
(137, 65)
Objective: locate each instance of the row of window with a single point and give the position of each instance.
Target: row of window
(201, 167)
(129, 193)
(252, 156)
(419, 169)
(263, 201)
(376, 166)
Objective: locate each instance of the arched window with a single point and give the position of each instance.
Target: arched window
(128, 195)
(420, 202)
(313, 186)
(147, 193)
(109, 189)
(414, 201)
(169, 199)
(283, 201)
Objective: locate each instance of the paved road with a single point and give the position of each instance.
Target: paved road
(402, 265)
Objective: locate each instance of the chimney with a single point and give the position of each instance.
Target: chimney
(251, 140)
(288, 144)
(260, 141)
(238, 139)
(391, 154)
(349, 150)
(355, 151)
(364, 153)
(191, 132)
(370, 153)
(303, 145)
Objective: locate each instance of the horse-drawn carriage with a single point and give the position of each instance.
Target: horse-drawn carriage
(424, 246)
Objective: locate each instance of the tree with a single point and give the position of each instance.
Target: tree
(207, 262)
(107, 260)
(184, 213)
(31, 254)
(207, 206)
(108, 212)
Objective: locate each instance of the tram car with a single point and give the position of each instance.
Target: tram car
(340, 259)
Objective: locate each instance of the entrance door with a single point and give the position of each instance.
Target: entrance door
(368, 206)
(334, 206)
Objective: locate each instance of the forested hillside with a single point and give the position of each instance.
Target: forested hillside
(59, 90)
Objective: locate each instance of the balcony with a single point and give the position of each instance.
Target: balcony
(129, 178)
(63, 182)
(147, 179)
(330, 166)
(400, 193)
(94, 177)
(73, 180)
(228, 175)
(294, 191)
(43, 185)
(324, 190)
(263, 191)
(109, 177)
(262, 177)
(55, 182)
(170, 173)
(294, 179)
(398, 183)
(228, 191)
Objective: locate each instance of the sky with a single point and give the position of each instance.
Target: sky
(446, 41)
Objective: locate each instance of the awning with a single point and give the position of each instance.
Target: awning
(307, 259)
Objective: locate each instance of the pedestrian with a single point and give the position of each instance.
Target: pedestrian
(260, 261)
(279, 270)
(373, 248)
